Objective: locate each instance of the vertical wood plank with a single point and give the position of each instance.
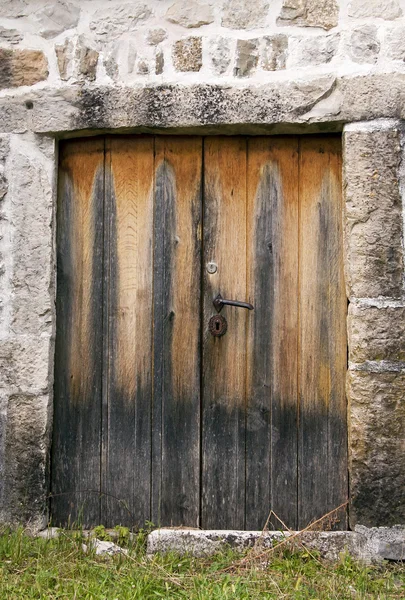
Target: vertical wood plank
(128, 336)
(271, 433)
(224, 358)
(177, 260)
(75, 475)
(323, 354)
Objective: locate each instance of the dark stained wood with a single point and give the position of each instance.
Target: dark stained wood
(177, 260)
(322, 344)
(75, 470)
(271, 432)
(224, 358)
(128, 330)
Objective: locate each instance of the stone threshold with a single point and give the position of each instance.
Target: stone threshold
(365, 544)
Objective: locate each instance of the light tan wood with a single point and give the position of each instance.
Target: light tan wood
(177, 260)
(132, 168)
(85, 161)
(224, 358)
(271, 446)
(322, 344)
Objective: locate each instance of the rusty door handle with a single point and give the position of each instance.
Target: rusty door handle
(220, 302)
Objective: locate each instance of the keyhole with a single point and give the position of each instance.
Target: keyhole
(217, 326)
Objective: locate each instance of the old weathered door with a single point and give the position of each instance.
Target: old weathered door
(155, 417)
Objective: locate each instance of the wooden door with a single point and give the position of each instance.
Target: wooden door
(155, 418)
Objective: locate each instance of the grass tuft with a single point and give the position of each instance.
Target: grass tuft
(54, 569)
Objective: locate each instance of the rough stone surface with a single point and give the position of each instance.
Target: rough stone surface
(24, 363)
(159, 62)
(187, 54)
(12, 36)
(307, 104)
(376, 333)
(102, 548)
(22, 67)
(395, 42)
(190, 14)
(383, 543)
(88, 59)
(14, 8)
(56, 17)
(377, 449)
(367, 545)
(275, 52)
(50, 533)
(23, 490)
(31, 176)
(156, 36)
(374, 221)
(309, 13)
(143, 67)
(244, 14)
(110, 23)
(364, 45)
(3, 184)
(247, 57)
(220, 54)
(313, 50)
(389, 9)
(64, 57)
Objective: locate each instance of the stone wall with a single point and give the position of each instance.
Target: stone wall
(110, 41)
(231, 66)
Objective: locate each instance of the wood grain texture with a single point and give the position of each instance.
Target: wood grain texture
(77, 399)
(177, 266)
(271, 432)
(322, 344)
(128, 330)
(159, 419)
(224, 358)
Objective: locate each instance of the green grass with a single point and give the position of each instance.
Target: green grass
(35, 568)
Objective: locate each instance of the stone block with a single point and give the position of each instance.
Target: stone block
(111, 22)
(275, 52)
(247, 57)
(25, 364)
(394, 42)
(55, 17)
(3, 183)
(377, 449)
(87, 60)
(64, 57)
(364, 46)
(159, 62)
(12, 9)
(220, 54)
(374, 222)
(309, 13)
(22, 67)
(190, 14)
(23, 490)
(376, 333)
(11, 36)
(316, 50)
(388, 9)
(187, 54)
(244, 14)
(382, 543)
(156, 36)
(31, 177)
(330, 544)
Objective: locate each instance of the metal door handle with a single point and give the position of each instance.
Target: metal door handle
(220, 302)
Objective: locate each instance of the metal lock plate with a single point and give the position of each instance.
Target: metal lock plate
(217, 325)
